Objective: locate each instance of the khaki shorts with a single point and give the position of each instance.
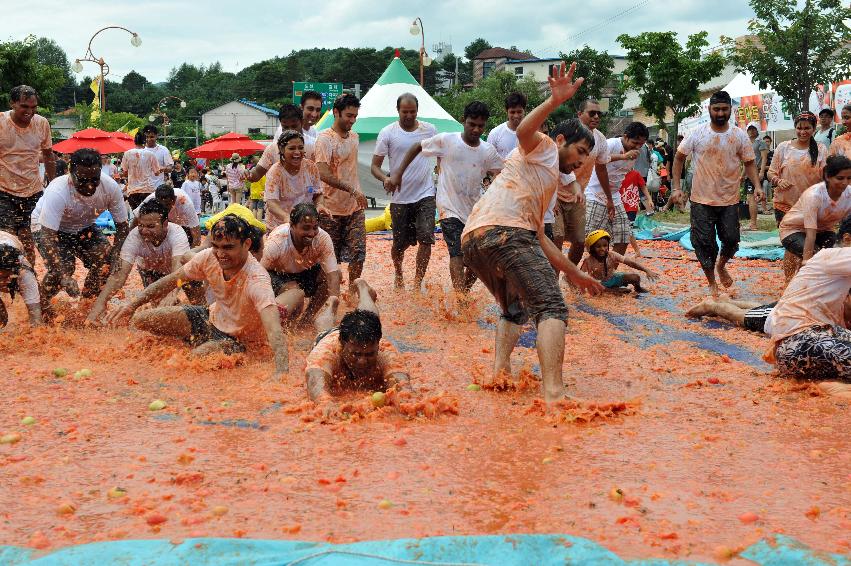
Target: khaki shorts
(570, 222)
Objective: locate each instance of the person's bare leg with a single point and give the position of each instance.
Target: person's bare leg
(791, 265)
(838, 389)
(423, 257)
(634, 243)
(26, 237)
(752, 210)
(620, 248)
(746, 305)
(327, 317)
(209, 347)
(355, 270)
(723, 275)
(316, 301)
(165, 321)
(98, 274)
(633, 279)
(366, 296)
(469, 279)
(507, 334)
(704, 308)
(577, 249)
(292, 299)
(456, 273)
(551, 357)
(398, 256)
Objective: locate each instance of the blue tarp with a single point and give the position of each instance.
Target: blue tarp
(104, 222)
(541, 550)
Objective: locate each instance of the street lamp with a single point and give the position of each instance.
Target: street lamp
(159, 110)
(77, 67)
(417, 28)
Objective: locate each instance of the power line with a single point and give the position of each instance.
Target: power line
(603, 23)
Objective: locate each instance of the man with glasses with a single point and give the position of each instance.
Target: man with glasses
(23, 136)
(69, 208)
(570, 208)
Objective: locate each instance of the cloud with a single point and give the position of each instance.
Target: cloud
(240, 34)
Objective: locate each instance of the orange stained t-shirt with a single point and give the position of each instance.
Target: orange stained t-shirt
(341, 155)
(327, 356)
(841, 146)
(717, 159)
(19, 154)
(815, 210)
(239, 300)
(794, 165)
(521, 194)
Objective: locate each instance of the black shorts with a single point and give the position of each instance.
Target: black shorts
(307, 280)
(348, 234)
(87, 245)
(548, 231)
(710, 222)
(452, 229)
(778, 216)
(15, 212)
(755, 318)
(795, 242)
(203, 331)
(149, 276)
(413, 223)
(512, 265)
(749, 189)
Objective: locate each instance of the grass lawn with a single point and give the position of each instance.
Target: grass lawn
(765, 222)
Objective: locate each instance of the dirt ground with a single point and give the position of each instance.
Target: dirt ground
(694, 451)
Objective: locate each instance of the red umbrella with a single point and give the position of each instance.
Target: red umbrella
(224, 146)
(104, 142)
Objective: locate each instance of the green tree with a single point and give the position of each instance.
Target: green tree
(475, 47)
(492, 91)
(795, 50)
(20, 64)
(667, 75)
(600, 82)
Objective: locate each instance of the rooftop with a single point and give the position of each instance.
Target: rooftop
(500, 53)
(260, 107)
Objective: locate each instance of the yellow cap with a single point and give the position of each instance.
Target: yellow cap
(592, 238)
(236, 210)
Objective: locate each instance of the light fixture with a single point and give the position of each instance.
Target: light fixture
(152, 118)
(135, 41)
(183, 104)
(415, 28)
(426, 60)
(77, 67)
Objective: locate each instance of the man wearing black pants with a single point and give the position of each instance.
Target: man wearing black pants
(718, 150)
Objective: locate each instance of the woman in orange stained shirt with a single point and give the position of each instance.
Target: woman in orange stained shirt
(842, 144)
(797, 165)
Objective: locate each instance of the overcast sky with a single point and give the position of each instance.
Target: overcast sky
(238, 34)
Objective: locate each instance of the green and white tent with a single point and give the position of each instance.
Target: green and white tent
(378, 106)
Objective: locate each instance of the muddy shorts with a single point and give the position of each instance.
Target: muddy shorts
(86, 245)
(307, 280)
(452, 229)
(570, 222)
(613, 282)
(510, 263)
(778, 216)
(794, 243)
(706, 222)
(203, 331)
(413, 223)
(819, 353)
(15, 211)
(548, 231)
(348, 233)
(597, 218)
(755, 318)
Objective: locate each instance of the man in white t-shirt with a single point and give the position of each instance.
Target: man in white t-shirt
(139, 166)
(301, 262)
(181, 211)
(69, 208)
(155, 246)
(826, 130)
(464, 161)
(604, 209)
(412, 205)
(718, 150)
(291, 118)
(504, 137)
(570, 208)
(161, 152)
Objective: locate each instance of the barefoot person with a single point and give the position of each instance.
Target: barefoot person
(810, 225)
(352, 355)
(155, 246)
(243, 305)
(718, 150)
(69, 208)
(292, 180)
(504, 242)
(602, 264)
(17, 277)
(412, 205)
(24, 140)
(807, 326)
(337, 159)
(464, 161)
(301, 262)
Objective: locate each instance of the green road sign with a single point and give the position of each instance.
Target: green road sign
(329, 92)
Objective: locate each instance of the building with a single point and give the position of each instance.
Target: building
(495, 59)
(242, 117)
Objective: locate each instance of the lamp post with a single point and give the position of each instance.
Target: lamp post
(77, 67)
(417, 28)
(159, 110)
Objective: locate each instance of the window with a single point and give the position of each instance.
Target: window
(488, 68)
(518, 71)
